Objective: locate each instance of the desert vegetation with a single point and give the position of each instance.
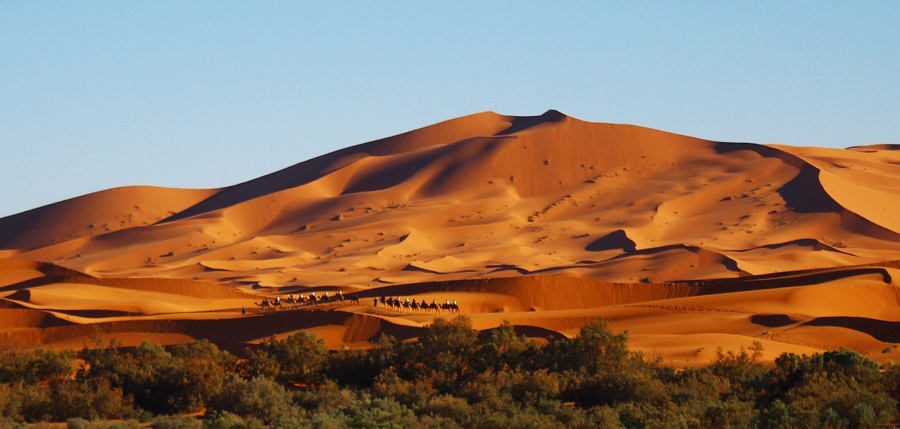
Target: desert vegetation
(453, 376)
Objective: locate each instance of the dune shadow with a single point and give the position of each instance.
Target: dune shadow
(616, 240)
(881, 330)
(772, 320)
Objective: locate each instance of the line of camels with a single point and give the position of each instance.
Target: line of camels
(392, 303)
(415, 307)
(305, 301)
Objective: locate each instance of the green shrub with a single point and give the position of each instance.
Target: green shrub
(35, 366)
(78, 423)
(361, 367)
(444, 353)
(260, 397)
(596, 349)
(65, 399)
(829, 402)
(295, 359)
(326, 397)
(160, 381)
(452, 408)
(502, 348)
(379, 413)
(10, 423)
(408, 393)
(176, 422)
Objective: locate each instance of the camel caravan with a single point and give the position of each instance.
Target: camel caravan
(305, 301)
(393, 303)
(413, 306)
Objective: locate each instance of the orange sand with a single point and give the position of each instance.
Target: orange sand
(544, 221)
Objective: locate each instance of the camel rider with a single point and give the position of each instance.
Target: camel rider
(407, 300)
(447, 302)
(341, 294)
(277, 300)
(376, 301)
(454, 303)
(312, 296)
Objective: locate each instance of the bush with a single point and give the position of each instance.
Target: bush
(361, 367)
(79, 423)
(296, 359)
(452, 408)
(825, 402)
(379, 413)
(409, 393)
(159, 381)
(502, 348)
(10, 423)
(596, 349)
(65, 399)
(260, 397)
(326, 397)
(35, 366)
(176, 422)
(444, 353)
(226, 420)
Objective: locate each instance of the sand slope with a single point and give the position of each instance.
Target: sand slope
(546, 221)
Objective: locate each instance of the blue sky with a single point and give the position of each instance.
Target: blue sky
(197, 94)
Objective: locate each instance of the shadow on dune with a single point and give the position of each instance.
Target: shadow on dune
(772, 320)
(773, 281)
(881, 330)
(616, 240)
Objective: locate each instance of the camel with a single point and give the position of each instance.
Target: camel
(450, 308)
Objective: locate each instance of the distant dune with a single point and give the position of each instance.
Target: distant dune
(544, 221)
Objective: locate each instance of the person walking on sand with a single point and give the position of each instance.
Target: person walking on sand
(243, 310)
(376, 301)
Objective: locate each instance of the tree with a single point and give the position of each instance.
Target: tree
(295, 359)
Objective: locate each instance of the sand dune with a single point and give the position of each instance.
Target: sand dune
(545, 221)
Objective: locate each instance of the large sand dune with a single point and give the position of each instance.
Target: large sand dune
(543, 221)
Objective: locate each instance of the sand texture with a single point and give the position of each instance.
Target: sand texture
(544, 221)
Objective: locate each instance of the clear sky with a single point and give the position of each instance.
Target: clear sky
(198, 94)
